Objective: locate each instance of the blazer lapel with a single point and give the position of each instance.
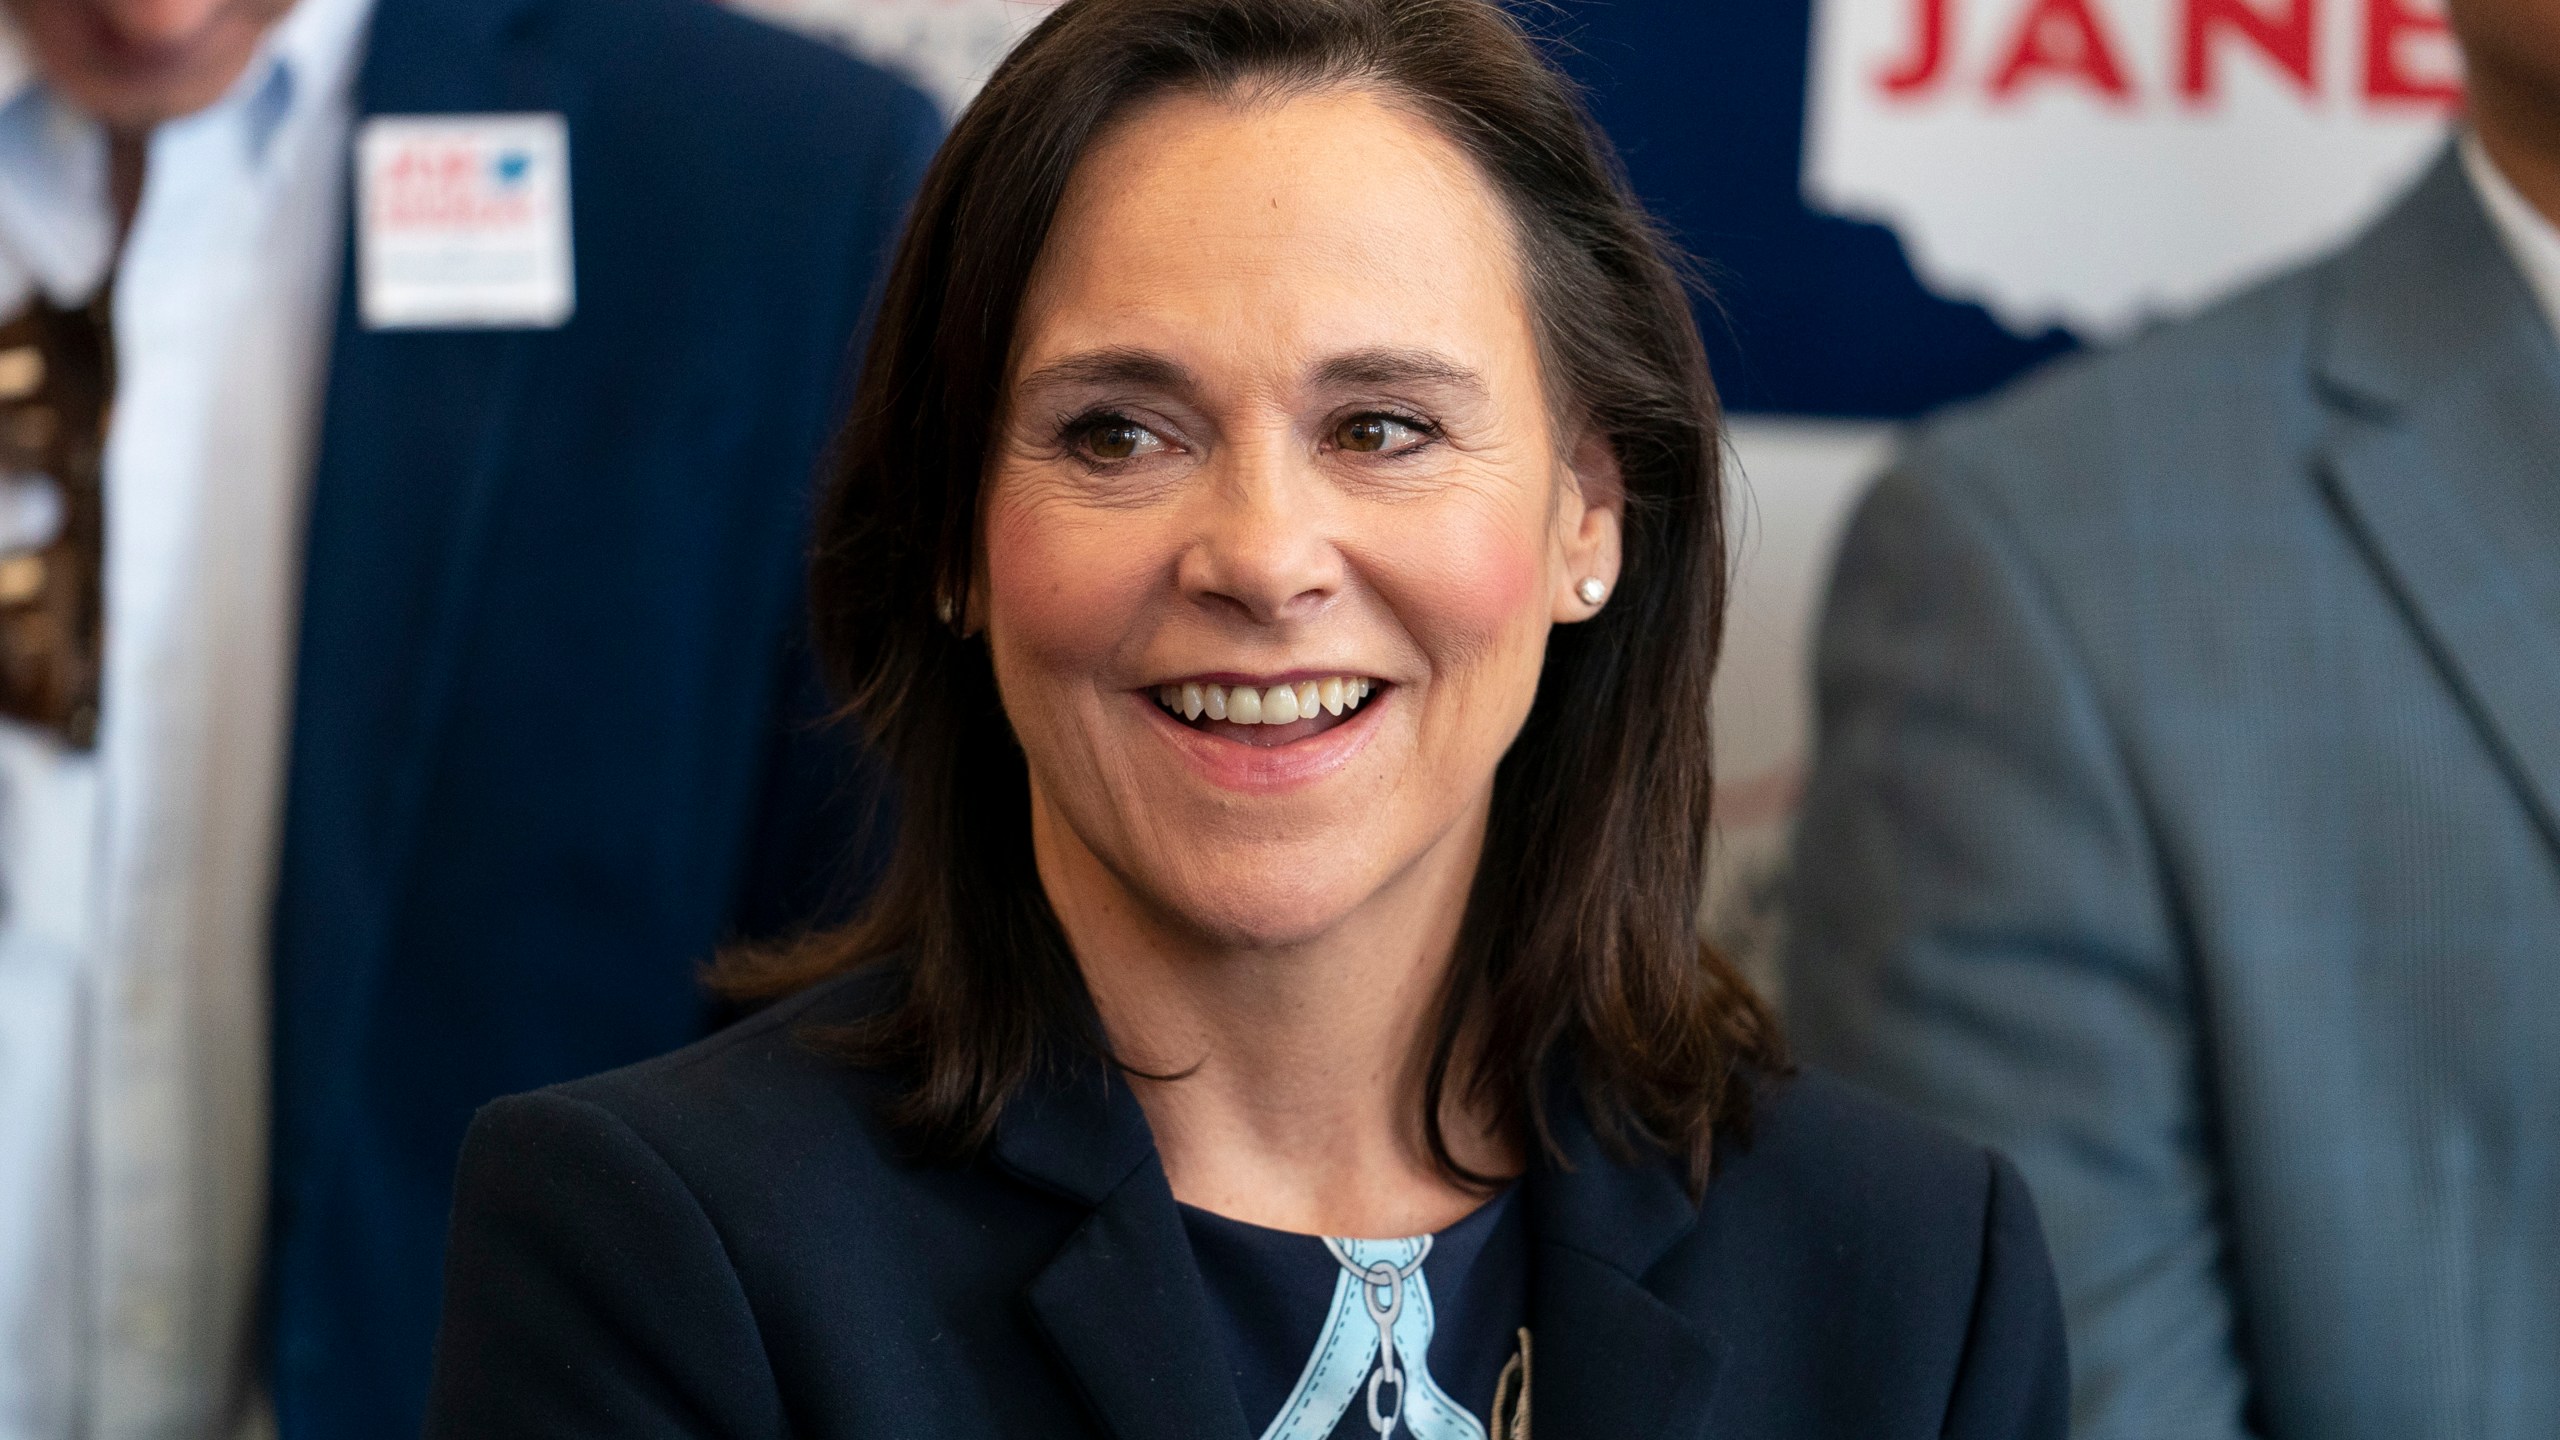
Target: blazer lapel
(1122, 1302)
(414, 431)
(1123, 1305)
(1612, 1360)
(2445, 459)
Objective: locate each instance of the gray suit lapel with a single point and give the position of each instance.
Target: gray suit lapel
(2443, 454)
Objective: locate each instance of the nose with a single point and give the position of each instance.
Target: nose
(1264, 550)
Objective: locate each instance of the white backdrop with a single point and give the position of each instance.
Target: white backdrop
(2091, 163)
(947, 46)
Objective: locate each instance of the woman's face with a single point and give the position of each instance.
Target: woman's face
(1276, 445)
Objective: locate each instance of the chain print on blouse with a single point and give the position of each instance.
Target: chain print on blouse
(1375, 1351)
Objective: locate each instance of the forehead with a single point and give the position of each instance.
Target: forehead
(1280, 228)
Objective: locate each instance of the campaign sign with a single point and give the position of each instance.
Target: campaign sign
(463, 221)
(2092, 162)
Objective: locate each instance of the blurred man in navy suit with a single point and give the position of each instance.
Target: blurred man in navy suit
(407, 417)
(2187, 821)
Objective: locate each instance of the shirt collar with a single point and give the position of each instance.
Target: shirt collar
(2530, 236)
(307, 60)
(57, 231)
(314, 49)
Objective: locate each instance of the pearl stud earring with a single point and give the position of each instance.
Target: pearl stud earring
(1593, 590)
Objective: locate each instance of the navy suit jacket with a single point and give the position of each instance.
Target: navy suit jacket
(548, 732)
(727, 1242)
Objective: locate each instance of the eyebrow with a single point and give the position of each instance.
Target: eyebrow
(1387, 366)
(1141, 368)
(1383, 365)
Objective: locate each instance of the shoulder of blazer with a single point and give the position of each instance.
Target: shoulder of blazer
(1859, 1261)
(2204, 410)
(1837, 1202)
(1844, 1272)
(763, 1088)
(1822, 1157)
(784, 1035)
(1825, 1179)
(2160, 413)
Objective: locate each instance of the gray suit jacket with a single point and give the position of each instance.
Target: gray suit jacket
(2187, 825)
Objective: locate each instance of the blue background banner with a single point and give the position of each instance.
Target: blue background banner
(1809, 314)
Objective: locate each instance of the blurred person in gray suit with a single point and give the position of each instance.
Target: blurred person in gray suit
(2187, 818)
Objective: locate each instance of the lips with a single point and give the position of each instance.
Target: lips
(1265, 758)
(1265, 716)
(1266, 705)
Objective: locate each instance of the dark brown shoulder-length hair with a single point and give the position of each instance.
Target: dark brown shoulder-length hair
(1579, 966)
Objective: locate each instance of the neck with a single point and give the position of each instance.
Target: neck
(2520, 128)
(1295, 1072)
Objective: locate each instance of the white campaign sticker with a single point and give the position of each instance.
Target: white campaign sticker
(463, 222)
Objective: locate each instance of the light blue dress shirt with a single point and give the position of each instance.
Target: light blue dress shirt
(2531, 236)
(135, 881)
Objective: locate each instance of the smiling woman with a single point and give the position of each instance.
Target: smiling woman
(1278, 545)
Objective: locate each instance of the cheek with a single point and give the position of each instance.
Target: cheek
(1060, 589)
(1489, 602)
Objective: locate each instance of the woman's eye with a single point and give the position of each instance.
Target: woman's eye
(1113, 438)
(1376, 434)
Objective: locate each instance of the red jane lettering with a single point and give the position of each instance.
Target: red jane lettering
(2062, 39)
(1927, 62)
(2288, 41)
(2387, 23)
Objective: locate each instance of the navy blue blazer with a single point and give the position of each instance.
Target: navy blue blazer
(727, 1242)
(547, 746)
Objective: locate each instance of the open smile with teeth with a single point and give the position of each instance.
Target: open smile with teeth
(1216, 707)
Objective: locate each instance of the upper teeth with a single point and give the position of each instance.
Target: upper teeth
(1278, 705)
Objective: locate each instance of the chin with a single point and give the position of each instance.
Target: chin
(1274, 906)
